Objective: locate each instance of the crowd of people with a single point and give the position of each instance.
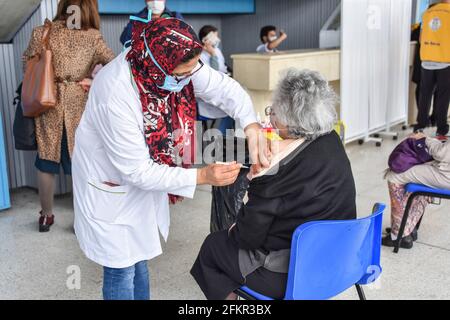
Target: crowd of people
(123, 127)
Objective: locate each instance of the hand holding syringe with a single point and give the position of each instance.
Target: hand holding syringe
(229, 163)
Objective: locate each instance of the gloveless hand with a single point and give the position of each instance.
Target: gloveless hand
(86, 84)
(218, 175)
(418, 136)
(259, 148)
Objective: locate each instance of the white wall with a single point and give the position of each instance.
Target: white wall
(113, 25)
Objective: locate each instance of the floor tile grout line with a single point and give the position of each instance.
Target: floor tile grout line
(433, 246)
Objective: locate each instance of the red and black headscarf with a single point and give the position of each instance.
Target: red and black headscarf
(169, 118)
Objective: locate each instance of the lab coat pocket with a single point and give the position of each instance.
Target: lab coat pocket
(107, 202)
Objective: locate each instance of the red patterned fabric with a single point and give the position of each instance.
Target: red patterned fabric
(169, 118)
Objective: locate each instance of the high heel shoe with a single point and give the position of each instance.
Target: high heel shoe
(45, 222)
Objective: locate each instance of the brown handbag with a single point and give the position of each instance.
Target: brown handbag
(39, 88)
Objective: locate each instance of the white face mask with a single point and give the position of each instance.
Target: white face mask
(157, 7)
(272, 39)
(212, 38)
(216, 42)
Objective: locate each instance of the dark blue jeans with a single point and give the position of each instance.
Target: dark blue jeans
(130, 283)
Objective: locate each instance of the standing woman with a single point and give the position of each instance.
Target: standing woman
(213, 57)
(138, 123)
(76, 52)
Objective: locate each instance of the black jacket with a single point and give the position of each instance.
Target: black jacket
(127, 32)
(316, 185)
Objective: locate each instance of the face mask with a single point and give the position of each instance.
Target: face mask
(272, 39)
(212, 38)
(170, 83)
(157, 7)
(215, 42)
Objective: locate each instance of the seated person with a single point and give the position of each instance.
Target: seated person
(159, 10)
(213, 56)
(312, 184)
(270, 39)
(435, 174)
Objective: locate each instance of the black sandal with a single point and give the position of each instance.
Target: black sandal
(407, 242)
(414, 234)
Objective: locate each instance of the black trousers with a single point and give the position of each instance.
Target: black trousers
(432, 117)
(217, 272)
(432, 80)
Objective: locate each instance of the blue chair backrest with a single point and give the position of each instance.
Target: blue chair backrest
(329, 257)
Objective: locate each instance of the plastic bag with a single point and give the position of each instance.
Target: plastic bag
(227, 201)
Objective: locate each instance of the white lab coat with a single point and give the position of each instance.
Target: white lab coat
(205, 109)
(118, 226)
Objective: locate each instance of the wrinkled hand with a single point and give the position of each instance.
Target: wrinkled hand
(177, 200)
(418, 136)
(86, 84)
(259, 148)
(219, 175)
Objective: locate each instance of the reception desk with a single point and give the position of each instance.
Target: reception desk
(260, 73)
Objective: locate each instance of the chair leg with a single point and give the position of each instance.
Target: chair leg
(403, 224)
(360, 291)
(419, 223)
(244, 295)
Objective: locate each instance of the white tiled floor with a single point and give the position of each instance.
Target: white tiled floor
(33, 265)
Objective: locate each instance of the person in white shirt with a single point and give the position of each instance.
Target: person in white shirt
(271, 41)
(213, 57)
(133, 148)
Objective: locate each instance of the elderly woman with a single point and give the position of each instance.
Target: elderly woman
(435, 174)
(310, 179)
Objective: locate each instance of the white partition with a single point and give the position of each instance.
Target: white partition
(374, 66)
(399, 68)
(354, 68)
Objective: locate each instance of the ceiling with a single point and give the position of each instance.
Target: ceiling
(13, 14)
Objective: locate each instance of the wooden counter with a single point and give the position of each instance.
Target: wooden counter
(260, 73)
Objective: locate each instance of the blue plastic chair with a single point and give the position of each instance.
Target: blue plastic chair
(417, 190)
(329, 257)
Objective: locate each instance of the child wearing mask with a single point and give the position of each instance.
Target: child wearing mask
(159, 10)
(270, 39)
